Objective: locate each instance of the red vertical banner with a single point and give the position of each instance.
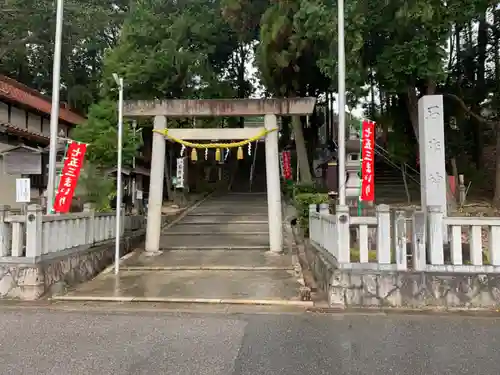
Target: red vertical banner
(72, 166)
(367, 161)
(286, 165)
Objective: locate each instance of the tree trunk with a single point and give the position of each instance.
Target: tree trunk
(412, 102)
(168, 175)
(496, 199)
(480, 90)
(241, 78)
(300, 146)
(496, 45)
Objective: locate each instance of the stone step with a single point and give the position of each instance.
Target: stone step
(208, 259)
(224, 219)
(230, 209)
(275, 287)
(207, 228)
(217, 241)
(257, 202)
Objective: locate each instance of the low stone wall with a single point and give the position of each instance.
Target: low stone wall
(54, 275)
(30, 279)
(402, 289)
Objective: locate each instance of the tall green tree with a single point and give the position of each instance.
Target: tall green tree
(100, 133)
(168, 50)
(27, 30)
(292, 42)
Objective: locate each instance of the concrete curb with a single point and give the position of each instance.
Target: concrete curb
(233, 215)
(209, 301)
(175, 221)
(232, 222)
(217, 233)
(216, 248)
(405, 311)
(206, 268)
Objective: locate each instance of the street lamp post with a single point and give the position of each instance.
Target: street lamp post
(341, 89)
(54, 111)
(119, 82)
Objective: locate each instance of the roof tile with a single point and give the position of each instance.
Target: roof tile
(16, 91)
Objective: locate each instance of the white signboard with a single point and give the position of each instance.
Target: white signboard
(23, 190)
(180, 173)
(139, 194)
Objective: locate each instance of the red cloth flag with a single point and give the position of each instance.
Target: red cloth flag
(368, 161)
(286, 165)
(69, 177)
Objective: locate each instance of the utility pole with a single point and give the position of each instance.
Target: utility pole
(54, 111)
(119, 199)
(341, 89)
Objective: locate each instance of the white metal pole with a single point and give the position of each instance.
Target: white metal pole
(119, 177)
(54, 112)
(341, 100)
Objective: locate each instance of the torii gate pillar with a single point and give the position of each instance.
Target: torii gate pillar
(156, 181)
(273, 186)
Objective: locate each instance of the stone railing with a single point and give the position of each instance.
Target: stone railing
(384, 242)
(420, 260)
(477, 239)
(339, 234)
(34, 234)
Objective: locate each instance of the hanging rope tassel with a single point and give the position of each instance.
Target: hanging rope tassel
(239, 154)
(194, 154)
(217, 154)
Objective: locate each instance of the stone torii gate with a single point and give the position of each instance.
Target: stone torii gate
(269, 108)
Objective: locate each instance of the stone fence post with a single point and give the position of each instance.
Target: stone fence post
(383, 234)
(399, 240)
(122, 218)
(34, 215)
(435, 215)
(419, 240)
(312, 210)
(90, 232)
(5, 233)
(343, 234)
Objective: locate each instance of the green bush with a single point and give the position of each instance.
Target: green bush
(287, 187)
(303, 188)
(302, 202)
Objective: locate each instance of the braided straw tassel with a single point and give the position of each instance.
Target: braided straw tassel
(239, 154)
(194, 154)
(217, 154)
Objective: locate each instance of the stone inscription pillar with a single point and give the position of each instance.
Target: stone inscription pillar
(432, 152)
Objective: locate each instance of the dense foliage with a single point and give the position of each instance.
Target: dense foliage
(396, 51)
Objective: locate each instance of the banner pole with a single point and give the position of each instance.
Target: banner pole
(360, 202)
(56, 186)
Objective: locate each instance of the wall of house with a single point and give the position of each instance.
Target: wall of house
(33, 122)
(24, 119)
(8, 184)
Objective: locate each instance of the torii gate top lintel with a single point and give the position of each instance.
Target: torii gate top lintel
(219, 107)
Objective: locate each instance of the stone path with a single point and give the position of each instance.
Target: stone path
(218, 253)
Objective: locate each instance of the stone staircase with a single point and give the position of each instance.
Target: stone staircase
(389, 184)
(241, 180)
(218, 253)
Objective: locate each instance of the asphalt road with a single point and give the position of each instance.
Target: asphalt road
(76, 343)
